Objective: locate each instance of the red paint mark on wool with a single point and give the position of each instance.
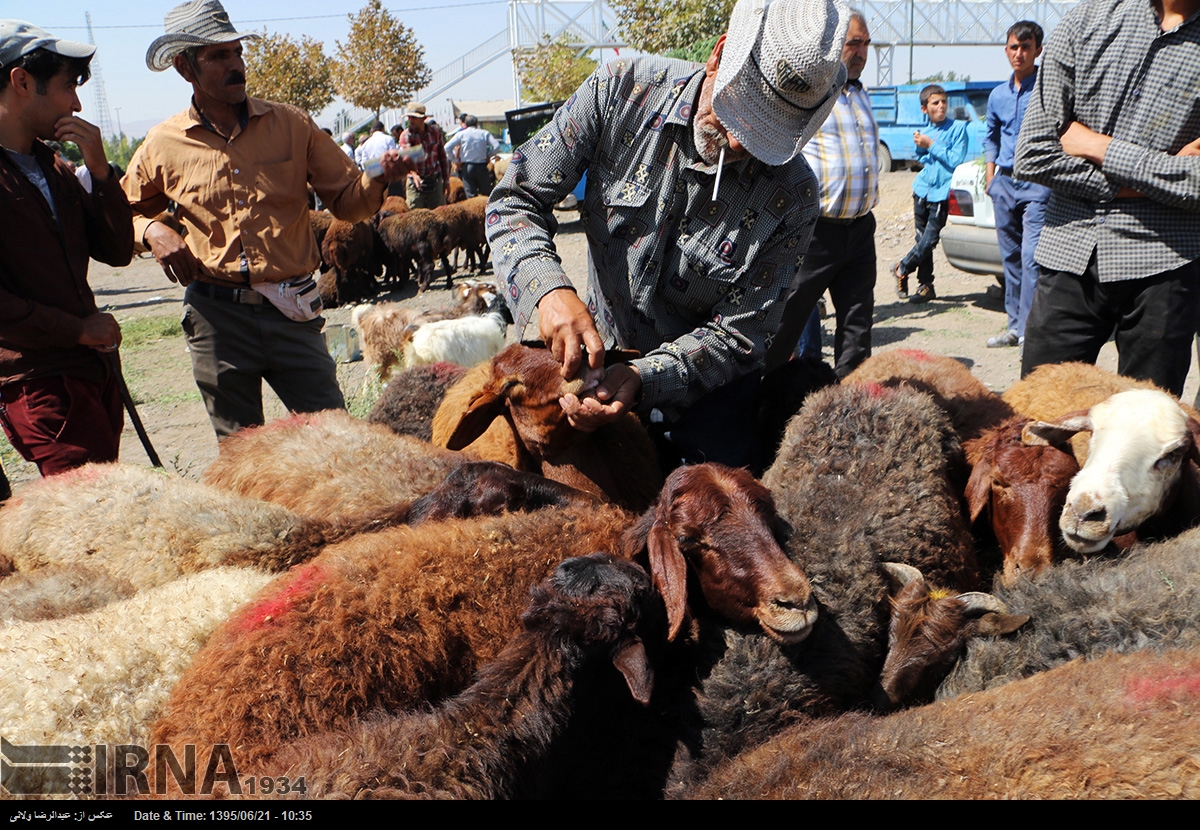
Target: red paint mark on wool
(875, 390)
(1171, 687)
(444, 371)
(918, 355)
(268, 611)
(81, 475)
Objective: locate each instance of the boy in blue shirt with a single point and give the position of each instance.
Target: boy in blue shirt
(940, 149)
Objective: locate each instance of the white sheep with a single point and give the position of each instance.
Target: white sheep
(1140, 467)
(101, 677)
(466, 341)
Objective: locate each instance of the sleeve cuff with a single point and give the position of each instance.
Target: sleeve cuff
(535, 278)
(1123, 159)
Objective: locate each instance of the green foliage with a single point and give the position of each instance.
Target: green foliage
(657, 27)
(381, 65)
(140, 332)
(553, 70)
(120, 150)
(697, 52)
(289, 71)
(940, 77)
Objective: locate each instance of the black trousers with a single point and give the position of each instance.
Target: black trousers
(1153, 320)
(841, 258)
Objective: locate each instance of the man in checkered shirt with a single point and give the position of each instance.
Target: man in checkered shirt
(698, 210)
(844, 154)
(1111, 129)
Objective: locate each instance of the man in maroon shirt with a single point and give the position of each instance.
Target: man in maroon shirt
(59, 402)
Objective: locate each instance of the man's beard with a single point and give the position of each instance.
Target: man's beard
(709, 141)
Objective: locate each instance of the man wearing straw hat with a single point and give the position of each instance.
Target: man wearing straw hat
(60, 402)
(698, 210)
(238, 169)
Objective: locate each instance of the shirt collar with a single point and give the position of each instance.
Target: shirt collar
(251, 108)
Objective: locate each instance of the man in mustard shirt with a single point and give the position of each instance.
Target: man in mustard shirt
(238, 168)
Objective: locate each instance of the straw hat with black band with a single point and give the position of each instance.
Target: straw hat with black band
(198, 23)
(780, 72)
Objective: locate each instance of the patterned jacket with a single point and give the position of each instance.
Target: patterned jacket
(697, 284)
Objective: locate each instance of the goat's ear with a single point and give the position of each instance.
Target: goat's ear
(668, 569)
(486, 406)
(997, 625)
(979, 488)
(633, 664)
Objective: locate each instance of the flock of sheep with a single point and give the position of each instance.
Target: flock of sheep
(463, 597)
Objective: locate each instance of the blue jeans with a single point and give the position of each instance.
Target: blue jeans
(929, 219)
(1020, 213)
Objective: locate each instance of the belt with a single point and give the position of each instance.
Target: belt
(1004, 171)
(832, 221)
(229, 295)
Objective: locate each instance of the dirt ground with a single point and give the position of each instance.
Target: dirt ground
(158, 370)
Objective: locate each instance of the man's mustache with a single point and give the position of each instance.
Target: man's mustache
(235, 78)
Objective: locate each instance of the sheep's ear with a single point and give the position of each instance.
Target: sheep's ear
(1193, 451)
(669, 572)
(633, 664)
(486, 406)
(1041, 433)
(979, 488)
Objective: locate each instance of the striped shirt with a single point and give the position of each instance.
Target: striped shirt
(696, 283)
(1109, 66)
(844, 156)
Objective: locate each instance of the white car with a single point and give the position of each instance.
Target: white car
(969, 238)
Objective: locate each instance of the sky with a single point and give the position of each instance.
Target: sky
(139, 98)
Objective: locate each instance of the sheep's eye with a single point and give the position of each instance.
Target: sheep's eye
(685, 541)
(1169, 460)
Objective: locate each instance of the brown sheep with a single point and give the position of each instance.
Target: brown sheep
(972, 407)
(321, 220)
(328, 464)
(513, 416)
(465, 230)
(1117, 726)
(483, 742)
(405, 616)
(349, 249)
(457, 192)
(1019, 482)
(408, 405)
(416, 235)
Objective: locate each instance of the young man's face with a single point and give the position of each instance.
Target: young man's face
(935, 108)
(1021, 55)
(60, 99)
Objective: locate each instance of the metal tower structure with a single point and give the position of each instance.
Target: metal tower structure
(900, 23)
(102, 116)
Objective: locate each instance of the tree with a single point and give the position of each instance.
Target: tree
(120, 150)
(291, 72)
(381, 65)
(552, 70)
(657, 27)
(939, 77)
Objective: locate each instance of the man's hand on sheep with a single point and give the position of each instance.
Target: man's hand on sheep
(177, 261)
(567, 328)
(615, 395)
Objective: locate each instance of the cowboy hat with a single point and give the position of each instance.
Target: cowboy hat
(197, 23)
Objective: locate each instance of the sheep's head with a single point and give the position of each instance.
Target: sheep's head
(1141, 440)
(928, 633)
(525, 385)
(1021, 480)
(600, 602)
(720, 523)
